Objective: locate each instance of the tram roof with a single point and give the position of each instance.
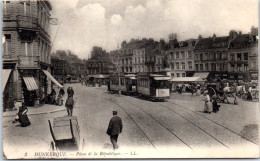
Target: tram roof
(187, 79)
(98, 76)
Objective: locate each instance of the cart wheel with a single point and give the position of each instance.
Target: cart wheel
(52, 146)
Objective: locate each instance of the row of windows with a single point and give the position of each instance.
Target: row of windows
(179, 74)
(180, 55)
(238, 56)
(44, 50)
(139, 52)
(221, 67)
(211, 56)
(143, 82)
(181, 65)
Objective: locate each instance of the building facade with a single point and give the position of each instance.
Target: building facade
(139, 56)
(26, 50)
(211, 55)
(182, 58)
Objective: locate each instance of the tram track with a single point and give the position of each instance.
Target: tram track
(186, 120)
(109, 99)
(208, 120)
(161, 123)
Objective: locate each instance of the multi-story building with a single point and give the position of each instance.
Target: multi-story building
(211, 55)
(242, 57)
(227, 57)
(60, 69)
(182, 58)
(99, 64)
(139, 60)
(26, 51)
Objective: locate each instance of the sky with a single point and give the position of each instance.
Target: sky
(106, 23)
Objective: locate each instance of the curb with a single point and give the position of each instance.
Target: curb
(38, 113)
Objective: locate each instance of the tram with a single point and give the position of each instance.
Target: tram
(127, 83)
(153, 86)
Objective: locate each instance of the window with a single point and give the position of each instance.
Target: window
(239, 67)
(190, 64)
(197, 67)
(206, 66)
(183, 74)
(182, 55)
(178, 74)
(190, 54)
(172, 66)
(7, 45)
(245, 56)
(218, 55)
(239, 56)
(182, 65)
(224, 55)
(213, 67)
(177, 66)
(201, 67)
(6, 8)
(196, 56)
(177, 55)
(171, 53)
(206, 56)
(245, 67)
(232, 56)
(201, 57)
(159, 69)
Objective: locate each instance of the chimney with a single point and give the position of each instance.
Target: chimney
(200, 37)
(254, 31)
(240, 32)
(214, 37)
(232, 34)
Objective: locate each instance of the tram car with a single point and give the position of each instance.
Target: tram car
(153, 86)
(127, 83)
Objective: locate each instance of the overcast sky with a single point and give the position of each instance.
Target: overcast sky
(106, 23)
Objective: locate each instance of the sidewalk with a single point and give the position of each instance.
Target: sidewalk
(40, 109)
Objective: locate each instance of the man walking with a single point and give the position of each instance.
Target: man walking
(114, 128)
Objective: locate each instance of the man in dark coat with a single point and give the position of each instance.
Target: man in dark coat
(114, 128)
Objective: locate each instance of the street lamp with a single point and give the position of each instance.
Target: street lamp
(118, 70)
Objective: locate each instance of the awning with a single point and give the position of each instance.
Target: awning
(30, 82)
(161, 78)
(186, 79)
(52, 78)
(98, 76)
(5, 76)
(201, 75)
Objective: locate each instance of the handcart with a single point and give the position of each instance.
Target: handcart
(65, 134)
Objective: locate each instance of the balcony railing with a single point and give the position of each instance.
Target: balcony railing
(26, 22)
(28, 61)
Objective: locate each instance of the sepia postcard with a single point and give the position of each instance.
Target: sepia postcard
(130, 79)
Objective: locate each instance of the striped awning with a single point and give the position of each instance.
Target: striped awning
(5, 76)
(30, 82)
(52, 78)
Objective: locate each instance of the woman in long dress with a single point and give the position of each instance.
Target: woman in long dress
(23, 118)
(207, 103)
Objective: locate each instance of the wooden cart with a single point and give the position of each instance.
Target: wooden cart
(65, 134)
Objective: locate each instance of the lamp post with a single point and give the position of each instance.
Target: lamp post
(119, 80)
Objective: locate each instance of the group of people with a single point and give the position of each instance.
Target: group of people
(51, 98)
(211, 104)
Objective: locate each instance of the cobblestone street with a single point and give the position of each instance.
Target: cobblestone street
(170, 128)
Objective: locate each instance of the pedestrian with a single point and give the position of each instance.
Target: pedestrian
(215, 104)
(22, 116)
(207, 102)
(69, 105)
(62, 92)
(114, 129)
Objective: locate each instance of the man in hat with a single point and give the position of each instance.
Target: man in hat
(114, 128)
